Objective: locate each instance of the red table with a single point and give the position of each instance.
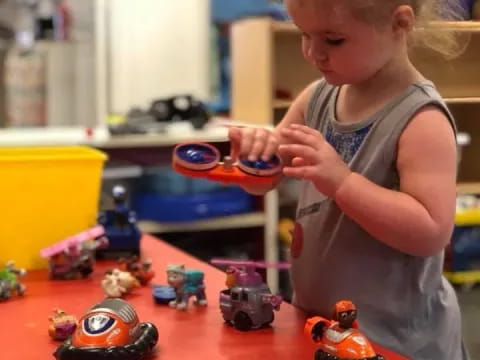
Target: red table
(198, 333)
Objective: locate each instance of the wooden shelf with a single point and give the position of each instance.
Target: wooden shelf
(284, 27)
(470, 188)
(463, 100)
(282, 104)
(248, 220)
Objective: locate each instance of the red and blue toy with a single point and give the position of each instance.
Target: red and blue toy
(110, 330)
(203, 160)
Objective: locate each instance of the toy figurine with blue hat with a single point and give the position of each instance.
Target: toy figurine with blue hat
(120, 226)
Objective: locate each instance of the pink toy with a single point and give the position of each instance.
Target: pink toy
(247, 303)
(74, 257)
(72, 241)
(247, 276)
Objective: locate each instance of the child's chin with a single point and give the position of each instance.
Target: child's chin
(332, 79)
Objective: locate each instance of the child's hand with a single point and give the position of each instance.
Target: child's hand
(313, 159)
(253, 143)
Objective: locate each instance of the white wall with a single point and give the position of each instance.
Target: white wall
(157, 48)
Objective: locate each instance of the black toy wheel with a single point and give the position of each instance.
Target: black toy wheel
(378, 357)
(135, 351)
(260, 167)
(322, 355)
(242, 321)
(270, 321)
(197, 156)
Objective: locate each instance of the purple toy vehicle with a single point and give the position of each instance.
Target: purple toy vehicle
(247, 303)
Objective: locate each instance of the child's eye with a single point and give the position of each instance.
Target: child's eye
(334, 41)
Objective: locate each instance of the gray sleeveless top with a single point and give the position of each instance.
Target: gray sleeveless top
(404, 303)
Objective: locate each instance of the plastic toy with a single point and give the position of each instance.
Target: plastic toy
(247, 303)
(9, 284)
(163, 294)
(117, 283)
(203, 160)
(141, 270)
(74, 257)
(186, 283)
(462, 255)
(120, 226)
(340, 338)
(62, 325)
(110, 330)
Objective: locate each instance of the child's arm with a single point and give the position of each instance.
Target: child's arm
(244, 143)
(418, 219)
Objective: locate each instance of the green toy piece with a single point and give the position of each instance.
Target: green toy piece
(9, 284)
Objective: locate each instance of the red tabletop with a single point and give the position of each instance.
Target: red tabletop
(198, 333)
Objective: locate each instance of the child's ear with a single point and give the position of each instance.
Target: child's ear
(403, 19)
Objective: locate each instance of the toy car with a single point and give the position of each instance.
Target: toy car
(74, 257)
(203, 160)
(340, 338)
(110, 330)
(247, 303)
(121, 227)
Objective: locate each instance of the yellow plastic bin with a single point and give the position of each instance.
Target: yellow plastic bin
(47, 194)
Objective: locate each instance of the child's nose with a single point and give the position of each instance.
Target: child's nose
(318, 52)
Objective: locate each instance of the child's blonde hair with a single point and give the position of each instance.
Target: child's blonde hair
(428, 13)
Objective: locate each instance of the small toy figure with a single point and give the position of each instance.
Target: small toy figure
(117, 283)
(62, 325)
(247, 303)
(203, 160)
(120, 226)
(340, 338)
(9, 284)
(110, 330)
(74, 257)
(186, 283)
(142, 270)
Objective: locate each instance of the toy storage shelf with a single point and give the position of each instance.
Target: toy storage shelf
(248, 220)
(269, 71)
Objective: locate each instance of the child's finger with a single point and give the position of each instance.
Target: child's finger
(248, 137)
(235, 136)
(301, 137)
(305, 129)
(298, 161)
(270, 149)
(298, 150)
(260, 140)
(302, 172)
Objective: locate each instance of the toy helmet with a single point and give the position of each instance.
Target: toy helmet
(119, 191)
(344, 305)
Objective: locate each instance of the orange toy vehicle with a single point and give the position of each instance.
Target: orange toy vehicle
(110, 330)
(340, 339)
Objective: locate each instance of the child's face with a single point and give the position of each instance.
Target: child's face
(344, 48)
